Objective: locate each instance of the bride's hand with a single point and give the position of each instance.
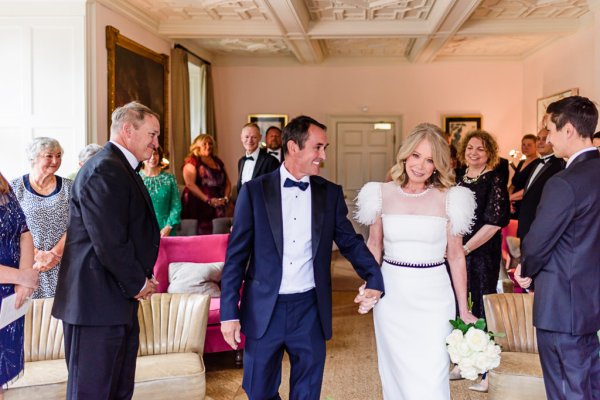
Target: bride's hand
(366, 298)
(468, 317)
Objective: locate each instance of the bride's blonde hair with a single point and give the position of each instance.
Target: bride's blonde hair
(443, 175)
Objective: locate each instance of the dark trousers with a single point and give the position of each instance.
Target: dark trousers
(295, 328)
(571, 365)
(101, 360)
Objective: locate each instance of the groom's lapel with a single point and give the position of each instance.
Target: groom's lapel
(272, 194)
(318, 191)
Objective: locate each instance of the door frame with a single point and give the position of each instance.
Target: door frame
(334, 120)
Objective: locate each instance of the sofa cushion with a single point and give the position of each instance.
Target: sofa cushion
(43, 373)
(518, 376)
(168, 366)
(189, 277)
(214, 311)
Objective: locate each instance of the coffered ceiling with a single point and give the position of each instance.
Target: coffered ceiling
(312, 31)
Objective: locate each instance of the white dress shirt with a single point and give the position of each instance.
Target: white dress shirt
(275, 153)
(574, 156)
(538, 168)
(128, 155)
(296, 206)
(248, 167)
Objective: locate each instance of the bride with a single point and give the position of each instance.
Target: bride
(416, 222)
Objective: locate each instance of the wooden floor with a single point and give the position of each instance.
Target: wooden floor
(351, 363)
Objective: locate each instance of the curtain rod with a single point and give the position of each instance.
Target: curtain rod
(178, 46)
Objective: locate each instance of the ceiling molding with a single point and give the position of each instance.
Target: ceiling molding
(133, 13)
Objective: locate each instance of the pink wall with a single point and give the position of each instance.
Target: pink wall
(419, 93)
(573, 62)
(103, 17)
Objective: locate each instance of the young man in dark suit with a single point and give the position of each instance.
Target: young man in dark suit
(280, 247)
(273, 143)
(256, 161)
(112, 245)
(560, 252)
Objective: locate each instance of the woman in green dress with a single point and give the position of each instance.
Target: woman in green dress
(162, 187)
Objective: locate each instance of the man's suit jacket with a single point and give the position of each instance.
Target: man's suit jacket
(533, 192)
(560, 252)
(257, 237)
(112, 243)
(265, 163)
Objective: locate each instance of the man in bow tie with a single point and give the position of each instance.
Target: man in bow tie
(256, 161)
(280, 248)
(544, 168)
(273, 142)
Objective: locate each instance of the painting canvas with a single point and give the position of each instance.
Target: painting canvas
(544, 102)
(460, 125)
(264, 121)
(137, 73)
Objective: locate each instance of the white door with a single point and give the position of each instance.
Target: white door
(364, 154)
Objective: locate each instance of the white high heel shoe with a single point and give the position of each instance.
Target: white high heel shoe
(481, 387)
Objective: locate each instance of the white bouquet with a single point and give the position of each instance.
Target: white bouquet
(472, 348)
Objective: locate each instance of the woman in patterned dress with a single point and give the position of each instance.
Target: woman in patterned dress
(44, 198)
(16, 276)
(207, 186)
(162, 187)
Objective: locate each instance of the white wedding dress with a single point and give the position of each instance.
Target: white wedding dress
(412, 319)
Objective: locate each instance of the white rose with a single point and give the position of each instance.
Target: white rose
(454, 354)
(477, 339)
(492, 349)
(468, 373)
(454, 338)
(481, 362)
(464, 350)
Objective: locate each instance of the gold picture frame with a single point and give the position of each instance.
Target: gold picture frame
(459, 125)
(544, 102)
(138, 73)
(265, 121)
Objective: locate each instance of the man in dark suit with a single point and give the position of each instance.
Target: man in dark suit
(543, 169)
(560, 253)
(280, 247)
(256, 161)
(112, 244)
(273, 143)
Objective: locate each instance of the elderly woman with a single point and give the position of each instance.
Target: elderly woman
(415, 221)
(478, 150)
(44, 198)
(85, 154)
(162, 187)
(16, 276)
(207, 186)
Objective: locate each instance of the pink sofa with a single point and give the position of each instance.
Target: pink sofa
(200, 249)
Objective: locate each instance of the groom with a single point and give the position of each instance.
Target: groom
(280, 248)
(561, 254)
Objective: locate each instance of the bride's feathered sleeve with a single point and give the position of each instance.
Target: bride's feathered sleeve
(460, 208)
(368, 203)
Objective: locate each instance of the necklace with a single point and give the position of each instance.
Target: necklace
(468, 180)
(420, 194)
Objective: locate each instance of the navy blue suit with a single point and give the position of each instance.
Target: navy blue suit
(254, 256)
(560, 253)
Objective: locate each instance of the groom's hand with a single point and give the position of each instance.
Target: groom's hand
(367, 298)
(231, 333)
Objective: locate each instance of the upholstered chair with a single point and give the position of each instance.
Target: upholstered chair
(519, 375)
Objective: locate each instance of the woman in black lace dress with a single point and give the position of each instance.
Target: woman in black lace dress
(478, 150)
(483, 246)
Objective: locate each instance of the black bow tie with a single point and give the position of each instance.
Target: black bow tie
(139, 167)
(544, 160)
(248, 158)
(291, 183)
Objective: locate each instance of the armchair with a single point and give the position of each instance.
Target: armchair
(199, 249)
(519, 375)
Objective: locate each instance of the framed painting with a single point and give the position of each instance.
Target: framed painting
(458, 125)
(138, 73)
(265, 121)
(544, 102)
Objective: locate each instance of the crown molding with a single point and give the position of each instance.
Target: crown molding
(132, 13)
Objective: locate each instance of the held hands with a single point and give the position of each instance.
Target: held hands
(218, 201)
(231, 333)
(29, 279)
(148, 290)
(45, 260)
(523, 282)
(367, 298)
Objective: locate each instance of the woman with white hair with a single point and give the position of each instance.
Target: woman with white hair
(44, 198)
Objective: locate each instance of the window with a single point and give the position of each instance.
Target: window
(197, 99)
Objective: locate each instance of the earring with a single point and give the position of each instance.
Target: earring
(434, 171)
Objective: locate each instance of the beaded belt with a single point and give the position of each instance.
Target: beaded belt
(413, 265)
